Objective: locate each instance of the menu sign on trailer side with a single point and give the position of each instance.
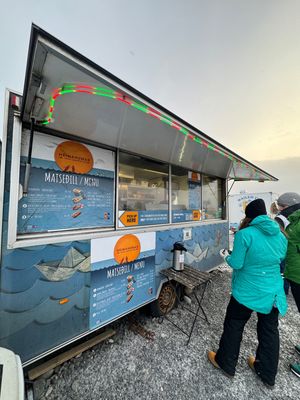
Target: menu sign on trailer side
(71, 186)
(123, 275)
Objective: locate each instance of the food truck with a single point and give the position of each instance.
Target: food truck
(97, 184)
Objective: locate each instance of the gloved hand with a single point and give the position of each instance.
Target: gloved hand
(224, 253)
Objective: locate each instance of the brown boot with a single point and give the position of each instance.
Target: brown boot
(211, 355)
(251, 361)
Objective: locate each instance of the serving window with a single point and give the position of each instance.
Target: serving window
(212, 192)
(143, 191)
(186, 195)
(71, 186)
(71, 191)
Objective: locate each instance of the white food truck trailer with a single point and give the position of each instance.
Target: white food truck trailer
(238, 202)
(97, 184)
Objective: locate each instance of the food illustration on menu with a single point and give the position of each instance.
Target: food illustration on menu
(130, 287)
(79, 196)
(71, 186)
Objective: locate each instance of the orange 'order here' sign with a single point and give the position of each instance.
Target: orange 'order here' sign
(130, 218)
(196, 215)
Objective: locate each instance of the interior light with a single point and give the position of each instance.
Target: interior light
(155, 172)
(126, 176)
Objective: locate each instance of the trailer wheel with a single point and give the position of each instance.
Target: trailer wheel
(166, 301)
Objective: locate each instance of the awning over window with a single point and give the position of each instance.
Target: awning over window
(64, 92)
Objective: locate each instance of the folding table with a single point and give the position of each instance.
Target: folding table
(192, 279)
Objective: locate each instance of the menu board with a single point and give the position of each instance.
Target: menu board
(123, 275)
(71, 186)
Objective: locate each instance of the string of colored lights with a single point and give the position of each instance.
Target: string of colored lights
(113, 94)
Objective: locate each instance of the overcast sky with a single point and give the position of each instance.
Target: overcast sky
(229, 67)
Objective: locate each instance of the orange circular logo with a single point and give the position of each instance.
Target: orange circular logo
(73, 157)
(127, 249)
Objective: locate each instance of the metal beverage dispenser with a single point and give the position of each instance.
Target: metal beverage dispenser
(178, 256)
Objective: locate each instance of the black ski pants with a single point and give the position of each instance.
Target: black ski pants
(295, 288)
(267, 352)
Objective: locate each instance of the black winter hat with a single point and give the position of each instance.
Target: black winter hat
(255, 208)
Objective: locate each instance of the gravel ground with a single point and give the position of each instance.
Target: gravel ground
(130, 367)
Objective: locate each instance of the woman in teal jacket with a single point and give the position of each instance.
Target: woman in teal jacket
(257, 285)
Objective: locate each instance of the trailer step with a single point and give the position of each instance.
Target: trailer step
(67, 355)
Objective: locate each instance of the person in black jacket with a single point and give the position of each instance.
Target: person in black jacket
(289, 220)
(287, 203)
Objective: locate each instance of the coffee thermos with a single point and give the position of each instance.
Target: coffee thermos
(178, 256)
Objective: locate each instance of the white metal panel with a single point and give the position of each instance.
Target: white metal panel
(143, 134)
(14, 188)
(12, 380)
(3, 160)
(90, 117)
